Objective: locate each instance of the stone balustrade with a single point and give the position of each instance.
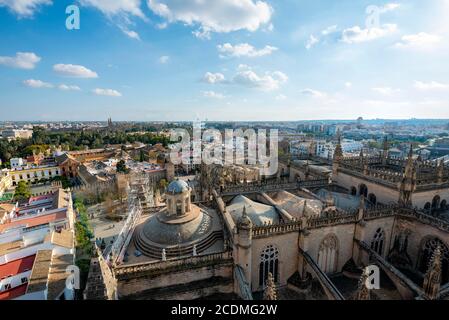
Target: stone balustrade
(425, 218)
(256, 187)
(155, 267)
(268, 230)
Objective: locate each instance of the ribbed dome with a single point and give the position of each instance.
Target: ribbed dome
(258, 213)
(165, 234)
(177, 186)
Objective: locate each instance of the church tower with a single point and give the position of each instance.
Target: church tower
(338, 155)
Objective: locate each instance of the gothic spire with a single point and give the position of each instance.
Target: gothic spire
(385, 145)
(338, 153)
(244, 221)
(363, 293)
(270, 289)
(432, 279)
(410, 153)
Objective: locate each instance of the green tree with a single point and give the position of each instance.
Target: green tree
(22, 191)
(162, 184)
(121, 167)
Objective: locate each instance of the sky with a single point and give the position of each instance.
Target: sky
(172, 60)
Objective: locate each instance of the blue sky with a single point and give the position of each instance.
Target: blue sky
(224, 60)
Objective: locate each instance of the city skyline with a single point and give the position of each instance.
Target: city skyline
(164, 61)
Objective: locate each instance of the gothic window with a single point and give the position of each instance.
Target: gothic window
(436, 202)
(427, 249)
(269, 263)
(372, 198)
(378, 241)
(328, 254)
(363, 190)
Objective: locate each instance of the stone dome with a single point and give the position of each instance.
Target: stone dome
(159, 229)
(179, 235)
(177, 186)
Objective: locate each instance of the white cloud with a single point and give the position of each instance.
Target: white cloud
(214, 16)
(329, 30)
(164, 59)
(311, 42)
(432, 85)
(244, 50)
(116, 7)
(420, 40)
(74, 71)
(106, 92)
(385, 90)
(24, 8)
(213, 95)
(32, 83)
(389, 7)
(313, 93)
(213, 78)
(267, 82)
(357, 34)
(22, 60)
(322, 36)
(130, 33)
(65, 87)
(348, 84)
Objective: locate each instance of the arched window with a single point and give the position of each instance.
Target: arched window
(436, 202)
(353, 191)
(443, 205)
(378, 241)
(328, 254)
(372, 198)
(179, 207)
(269, 263)
(363, 190)
(428, 247)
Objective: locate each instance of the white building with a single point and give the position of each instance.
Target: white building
(17, 163)
(17, 134)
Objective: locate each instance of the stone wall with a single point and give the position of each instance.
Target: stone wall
(184, 284)
(345, 236)
(421, 198)
(383, 194)
(287, 244)
(419, 233)
(387, 225)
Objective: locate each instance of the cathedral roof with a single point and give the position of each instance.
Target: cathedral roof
(341, 200)
(297, 206)
(258, 213)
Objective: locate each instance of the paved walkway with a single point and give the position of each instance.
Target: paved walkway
(103, 228)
